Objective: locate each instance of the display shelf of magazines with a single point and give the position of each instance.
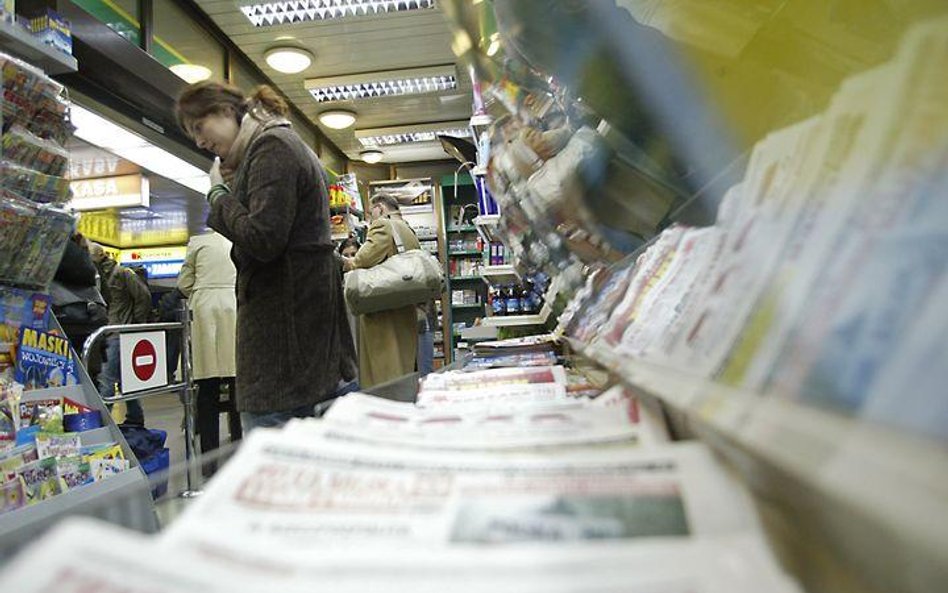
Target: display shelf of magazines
(800, 331)
(796, 451)
(801, 340)
(85, 471)
(60, 451)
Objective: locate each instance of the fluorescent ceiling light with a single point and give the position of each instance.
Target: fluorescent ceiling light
(391, 83)
(288, 60)
(283, 12)
(191, 73)
(407, 134)
(337, 119)
(99, 131)
(371, 156)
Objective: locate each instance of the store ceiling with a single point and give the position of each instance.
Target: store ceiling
(353, 45)
(172, 206)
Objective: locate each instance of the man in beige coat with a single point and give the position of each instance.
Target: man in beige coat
(388, 340)
(207, 279)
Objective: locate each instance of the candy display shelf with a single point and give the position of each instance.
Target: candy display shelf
(21, 43)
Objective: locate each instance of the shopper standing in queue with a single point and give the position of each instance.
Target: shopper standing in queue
(207, 279)
(269, 197)
(388, 340)
(129, 303)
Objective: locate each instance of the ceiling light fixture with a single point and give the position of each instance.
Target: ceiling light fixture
(191, 73)
(282, 13)
(371, 156)
(376, 137)
(337, 119)
(101, 132)
(391, 83)
(288, 59)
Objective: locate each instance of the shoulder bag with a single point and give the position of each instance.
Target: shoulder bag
(407, 278)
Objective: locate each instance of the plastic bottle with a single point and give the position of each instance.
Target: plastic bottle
(513, 301)
(498, 302)
(527, 304)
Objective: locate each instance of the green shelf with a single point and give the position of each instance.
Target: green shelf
(468, 228)
(465, 278)
(466, 253)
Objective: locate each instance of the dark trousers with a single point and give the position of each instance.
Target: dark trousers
(110, 375)
(209, 409)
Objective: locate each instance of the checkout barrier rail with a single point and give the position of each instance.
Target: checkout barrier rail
(185, 387)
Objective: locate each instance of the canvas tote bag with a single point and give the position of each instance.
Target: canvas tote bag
(407, 278)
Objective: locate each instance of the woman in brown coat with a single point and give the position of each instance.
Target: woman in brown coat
(270, 198)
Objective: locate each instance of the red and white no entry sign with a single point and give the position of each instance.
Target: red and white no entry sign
(143, 361)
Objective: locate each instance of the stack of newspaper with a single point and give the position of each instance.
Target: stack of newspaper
(824, 277)
(494, 480)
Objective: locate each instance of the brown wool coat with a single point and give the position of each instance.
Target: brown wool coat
(388, 340)
(293, 340)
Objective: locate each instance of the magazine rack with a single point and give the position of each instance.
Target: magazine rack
(123, 499)
(851, 504)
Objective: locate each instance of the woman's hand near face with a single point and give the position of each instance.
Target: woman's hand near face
(215, 173)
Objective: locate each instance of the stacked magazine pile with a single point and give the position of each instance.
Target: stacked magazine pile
(502, 479)
(823, 278)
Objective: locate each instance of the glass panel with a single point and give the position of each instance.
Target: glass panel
(120, 15)
(180, 40)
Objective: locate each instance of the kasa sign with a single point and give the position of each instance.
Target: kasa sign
(109, 192)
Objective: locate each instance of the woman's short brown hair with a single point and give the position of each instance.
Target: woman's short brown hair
(208, 97)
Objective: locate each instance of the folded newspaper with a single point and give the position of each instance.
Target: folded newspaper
(501, 482)
(94, 557)
(495, 426)
(304, 492)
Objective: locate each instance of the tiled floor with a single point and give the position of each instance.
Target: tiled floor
(166, 413)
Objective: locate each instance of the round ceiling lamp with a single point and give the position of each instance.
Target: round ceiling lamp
(337, 119)
(191, 73)
(371, 156)
(288, 60)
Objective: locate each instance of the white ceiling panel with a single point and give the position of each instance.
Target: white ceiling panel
(355, 45)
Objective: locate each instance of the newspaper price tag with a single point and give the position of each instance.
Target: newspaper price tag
(143, 361)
